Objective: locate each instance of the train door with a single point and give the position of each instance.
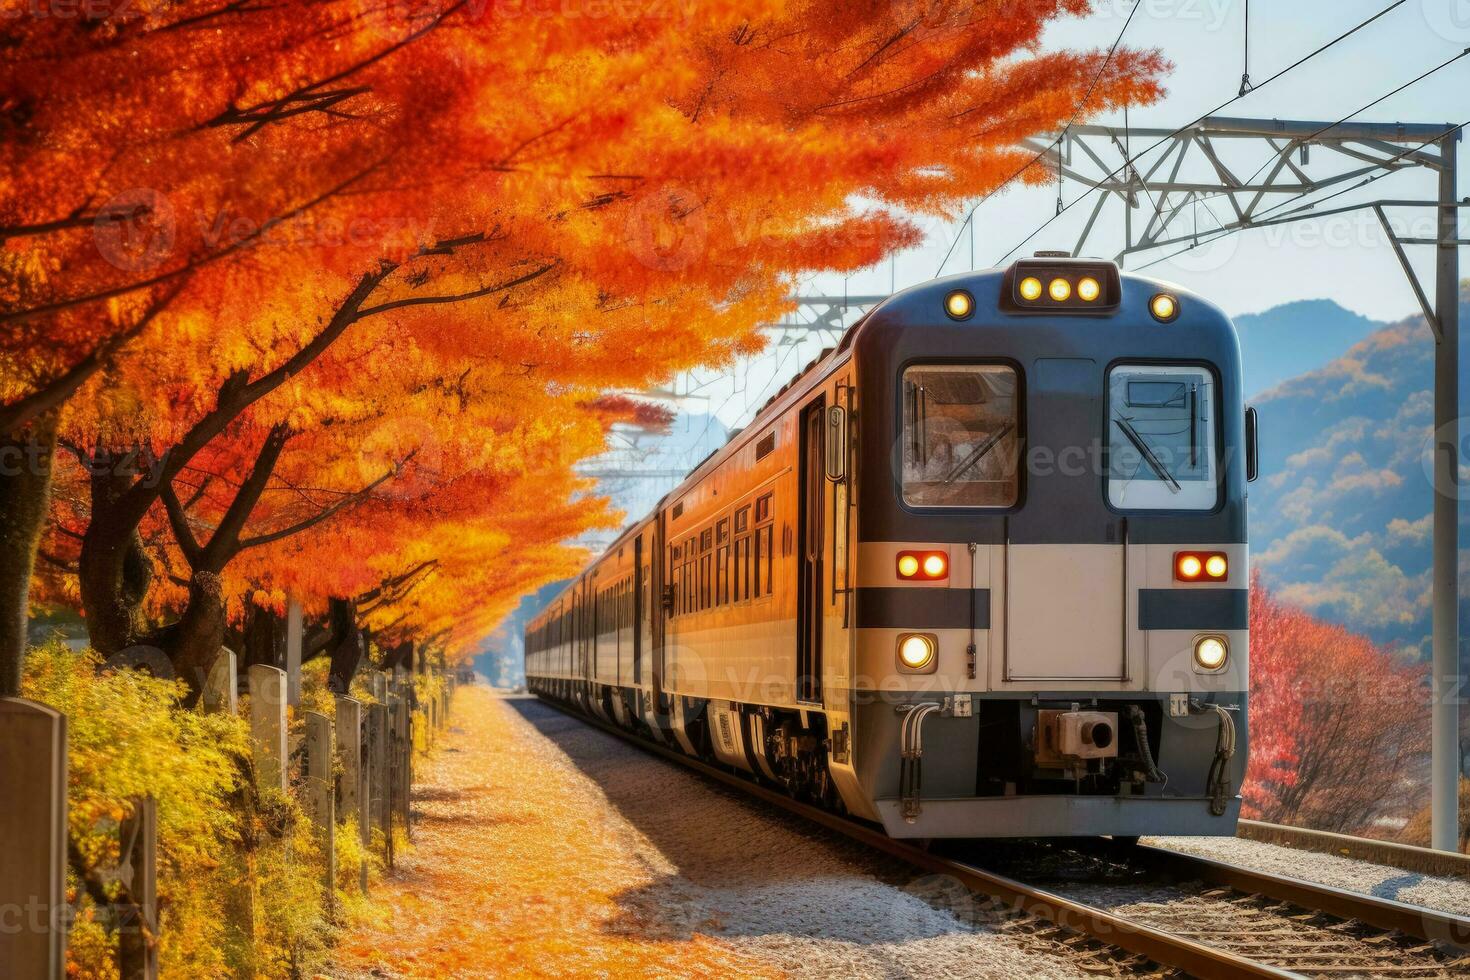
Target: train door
(640, 609)
(810, 534)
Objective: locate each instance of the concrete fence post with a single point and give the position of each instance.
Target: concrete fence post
(32, 839)
(321, 795)
(405, 766)
(137, 940)
(268, 724)
(294, 627)
(355, 792)
(221, 688)
(380, 804)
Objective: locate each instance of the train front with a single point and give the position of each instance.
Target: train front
(1051, 612)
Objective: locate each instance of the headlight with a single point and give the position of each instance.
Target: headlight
(916, 651)
(908, 566)
(1088, 289)
(935, 565)
(1216, 566)
(1060, 290)
(1211, 652)
(1030, 288)
(1164, 307)
(959, 304)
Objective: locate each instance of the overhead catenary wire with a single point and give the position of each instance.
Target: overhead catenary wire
(1216, 234)
(1198, 119)
(1076, 112)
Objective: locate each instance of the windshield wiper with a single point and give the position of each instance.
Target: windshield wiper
(1147, 453)
(979, 452)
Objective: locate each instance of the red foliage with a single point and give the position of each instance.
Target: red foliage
(1336, 722)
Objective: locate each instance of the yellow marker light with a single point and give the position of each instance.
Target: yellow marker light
(959, 304)
(1088, 289)
(935, 565)
(1189, 567)
(908, 566)
(1211, 652)
(1216, 566)
(915, 651)
(1164, 307)
(1030, 288)
(1060, 290)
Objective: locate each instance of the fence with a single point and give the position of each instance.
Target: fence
(355, 767)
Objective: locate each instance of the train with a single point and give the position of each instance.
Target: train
(980, 570)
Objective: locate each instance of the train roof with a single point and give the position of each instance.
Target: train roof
(922, 295)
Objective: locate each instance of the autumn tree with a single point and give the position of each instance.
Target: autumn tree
(217, 213)
(1337, 723)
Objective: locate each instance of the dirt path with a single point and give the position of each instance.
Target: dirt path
(548, 848)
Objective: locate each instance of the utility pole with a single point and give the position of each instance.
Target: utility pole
(1445, 744)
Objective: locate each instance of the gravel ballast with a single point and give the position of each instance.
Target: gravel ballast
(800, 900)
(1445, 894)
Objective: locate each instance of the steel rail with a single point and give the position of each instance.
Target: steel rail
(1122, 933)
(1412, 920)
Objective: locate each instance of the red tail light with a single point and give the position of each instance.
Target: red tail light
(927, 566)
(1201, 566)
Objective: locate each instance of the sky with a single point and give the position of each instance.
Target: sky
(1346, 259)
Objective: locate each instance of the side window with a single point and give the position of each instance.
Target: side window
(761, 583)
(741, 570)
(1161, 438)
(722, 563)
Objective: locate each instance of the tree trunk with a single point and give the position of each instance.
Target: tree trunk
(347, 645)
(25, 499)
(113, 572)
(263, 640)
(194, 641)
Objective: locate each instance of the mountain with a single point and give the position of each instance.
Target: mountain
(1294, 338)
(1340, 518)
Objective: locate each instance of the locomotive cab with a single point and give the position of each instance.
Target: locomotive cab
(1068, 443)
(980, 571)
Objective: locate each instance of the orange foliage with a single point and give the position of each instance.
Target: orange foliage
(361, 276)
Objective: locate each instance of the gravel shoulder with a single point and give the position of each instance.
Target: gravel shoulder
(1381, 881)
(545, 847)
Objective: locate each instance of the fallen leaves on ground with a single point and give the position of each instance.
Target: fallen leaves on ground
(516, 871)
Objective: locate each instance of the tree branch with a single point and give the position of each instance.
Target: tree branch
(325, 513)
(179, 521)
(224, 544)
(53, 393)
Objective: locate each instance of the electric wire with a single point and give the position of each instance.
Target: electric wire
(1198, 119)
(1076, 111)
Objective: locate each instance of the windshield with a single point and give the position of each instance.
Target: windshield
(959, 436)
(1161, 438)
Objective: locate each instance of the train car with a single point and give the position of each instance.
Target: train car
(980, 571)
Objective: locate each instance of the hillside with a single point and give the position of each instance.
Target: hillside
(1340, 517)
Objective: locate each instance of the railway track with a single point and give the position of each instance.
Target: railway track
(1221, 921)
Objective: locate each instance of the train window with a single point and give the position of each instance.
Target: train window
(722, 575)
(742, 519)
(706, 538)
(761, 584)
(763, 509)
(1161, 438)
(722, 535)
(705, 583)
(960, 438)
